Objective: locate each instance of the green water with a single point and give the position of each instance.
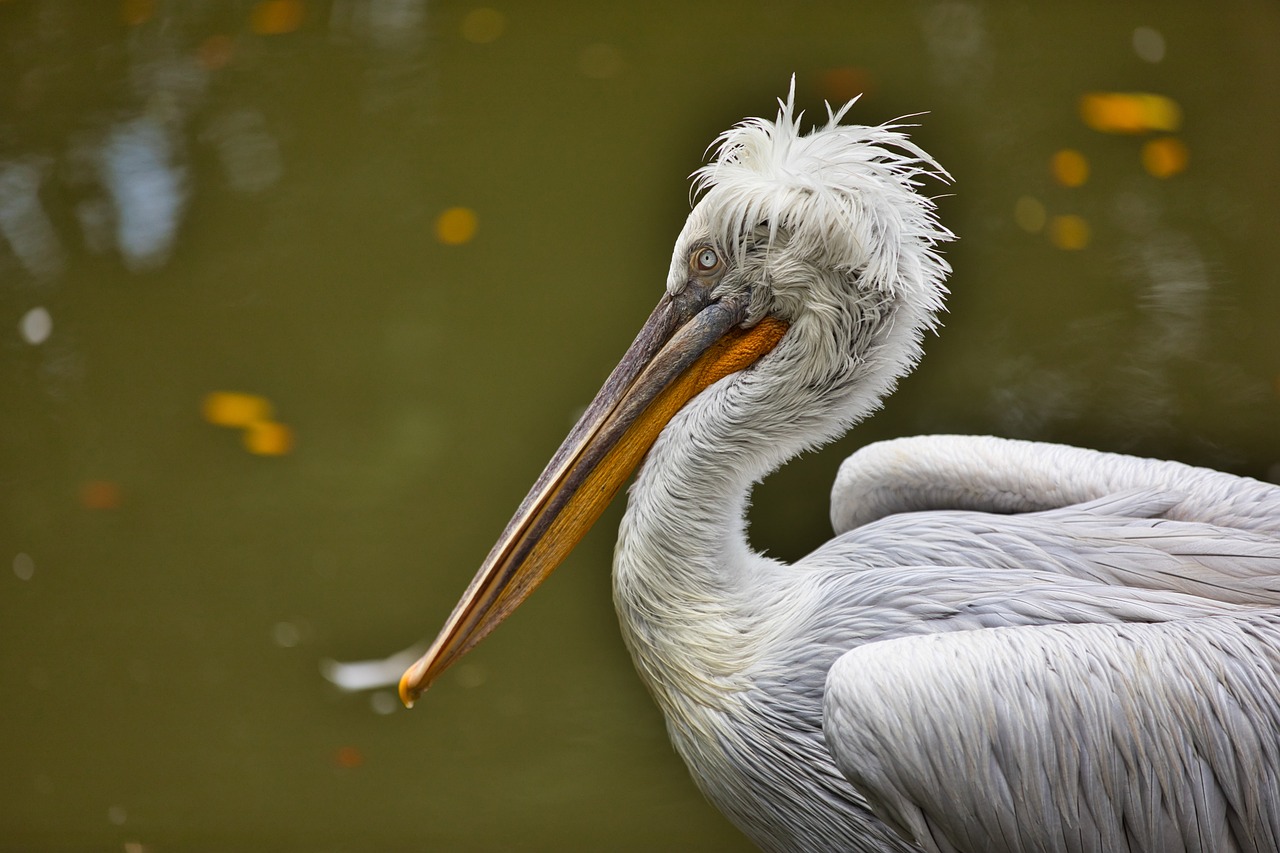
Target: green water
(190, 206)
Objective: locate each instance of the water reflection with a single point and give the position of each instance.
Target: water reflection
(248, 153)
(297, 296)
(173, 78)
(1148, 353)
(148, 190)
(1148, 44)
(1125, 371)
(355, 676)
(960, 51)
(24, 222)
(24, 568)
(36, 325)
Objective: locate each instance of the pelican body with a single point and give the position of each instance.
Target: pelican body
(1008, 646)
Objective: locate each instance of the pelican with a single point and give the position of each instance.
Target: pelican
(1008, 645)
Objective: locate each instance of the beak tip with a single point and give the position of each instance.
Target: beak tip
(409, 693)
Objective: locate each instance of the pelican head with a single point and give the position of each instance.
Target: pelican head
(799, 292)
(827, 233)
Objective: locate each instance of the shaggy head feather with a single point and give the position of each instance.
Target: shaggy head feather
(844, 197)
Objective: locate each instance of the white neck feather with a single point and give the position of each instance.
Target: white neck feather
(824, 231)
(692, 596)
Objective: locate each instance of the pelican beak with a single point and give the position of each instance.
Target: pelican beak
(689, 342)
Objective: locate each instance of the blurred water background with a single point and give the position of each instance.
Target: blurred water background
(298, 296)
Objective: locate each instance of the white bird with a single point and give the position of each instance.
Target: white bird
(1008, 646)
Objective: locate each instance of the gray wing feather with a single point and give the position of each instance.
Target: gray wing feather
(1119, 552)
(1093, 737)
(1101, 667)
(1004, 476)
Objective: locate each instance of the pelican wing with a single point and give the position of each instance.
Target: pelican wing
(1120, 545)
(1131, 704)
(1002, 475)
(1086, 737)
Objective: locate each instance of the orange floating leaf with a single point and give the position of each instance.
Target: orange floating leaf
(233, 409)
(99, 494)
(845, 83)
(276, 17)
(1129, 112)
(136, 12)
(268, 438)
(1164, 157)
(1069, 167)
(215, 52)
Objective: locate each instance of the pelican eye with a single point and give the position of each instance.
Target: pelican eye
(706, 260)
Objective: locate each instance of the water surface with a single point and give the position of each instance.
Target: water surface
(413, 237)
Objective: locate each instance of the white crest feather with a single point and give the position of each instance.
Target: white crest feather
(847, 195)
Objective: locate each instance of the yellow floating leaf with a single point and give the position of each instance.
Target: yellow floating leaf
(1028, 213)
(456, 225)
(1069, 232)
(233, 409)
(483, 25)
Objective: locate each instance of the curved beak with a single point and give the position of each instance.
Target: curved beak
(688, 343)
